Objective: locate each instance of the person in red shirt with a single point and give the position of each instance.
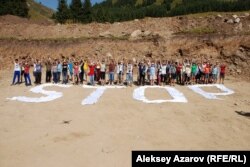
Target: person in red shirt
(222, 73)
(111, 72)
(207, 71)
(92, 73)
(27, 74)
(178, 73)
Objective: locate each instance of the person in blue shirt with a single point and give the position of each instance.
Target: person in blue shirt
(59, 70)
(152, 73)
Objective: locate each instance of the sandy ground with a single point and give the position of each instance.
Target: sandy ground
(34, 135)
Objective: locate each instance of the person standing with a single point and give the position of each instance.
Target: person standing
(81, 74)
(103, 72)
(163, 73)
(38, 72)
(54, 72)
(129, 73)
(215, 72)
(222, 73)
(17, 72)
(92, 73)
(152, 73)
(142, 73)
(65, 72)
(111, 72)
(22, 71)
(27, 74)
(48, 67)
(59, 70)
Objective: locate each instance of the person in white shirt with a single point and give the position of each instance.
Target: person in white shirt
(120, 70)
(17, 72)
(163, 73)
(103, 72)
(129, 73)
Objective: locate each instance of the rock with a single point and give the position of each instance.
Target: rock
(235, 16)
(247, 14)
(219, 16)
(237, 20)
(105, 34)
(136, 20)
(109, 55)
(146, 33)
(230, 21)
(136, 34)
(238, 71)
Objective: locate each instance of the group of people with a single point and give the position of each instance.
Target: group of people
(166, 72)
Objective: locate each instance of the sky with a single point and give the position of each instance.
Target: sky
(53, 3)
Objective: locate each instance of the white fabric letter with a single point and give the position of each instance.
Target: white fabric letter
(94, 97)
(178, 97)
(51, 95)
(197, 89)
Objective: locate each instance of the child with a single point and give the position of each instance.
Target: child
(86, 70)
(152, 73)
(163, 73)
(215, 72)
(98, 71)
(103, 72)
(27, 74)
(22, 70)
(38, 72)
(193, 72)
(76, 73)
(17, 72)
(64, 72)
(222, 73)
(81, 74)
(92, 73)
(54, 72)
(120, 70)
(207, 71)
(70, 67)
(111, 72)
(172, 72)
(188, 74)
(59, 70)
(48, 66)
(142, 72)
(179, 73)
(129, 73)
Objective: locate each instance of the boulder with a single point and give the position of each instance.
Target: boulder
(109, 55)
(235, 16)
(219, 16)
(237, 20)
(147, 33)
(238, 71)
(105, 34)
(230, 21)
(136, 34)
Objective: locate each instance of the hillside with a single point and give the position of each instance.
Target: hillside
(124, 10)
(215, 36)
(39, 12)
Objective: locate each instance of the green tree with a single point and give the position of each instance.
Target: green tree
(14, 7)
(62, 14)
(87, 12)
(76, 10)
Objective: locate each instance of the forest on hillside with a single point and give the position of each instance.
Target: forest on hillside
(82, 11)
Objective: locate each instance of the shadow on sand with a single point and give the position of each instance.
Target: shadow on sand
(242, 113)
